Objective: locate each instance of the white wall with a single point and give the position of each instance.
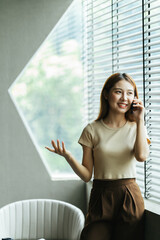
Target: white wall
(24, 24)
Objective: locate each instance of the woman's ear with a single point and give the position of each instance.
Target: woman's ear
(105, 94)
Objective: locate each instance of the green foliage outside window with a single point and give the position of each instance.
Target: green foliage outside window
(49, 92)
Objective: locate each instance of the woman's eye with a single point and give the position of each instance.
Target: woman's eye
(130, 93)
(118, 91)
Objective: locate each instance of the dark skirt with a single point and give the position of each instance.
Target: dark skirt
(116, 211)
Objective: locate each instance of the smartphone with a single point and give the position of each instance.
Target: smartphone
(132, 107)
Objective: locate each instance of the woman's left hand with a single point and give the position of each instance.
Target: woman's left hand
(138, 109)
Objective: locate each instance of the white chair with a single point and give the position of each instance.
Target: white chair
(41, 218)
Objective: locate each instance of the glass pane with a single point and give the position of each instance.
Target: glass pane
(49, 94)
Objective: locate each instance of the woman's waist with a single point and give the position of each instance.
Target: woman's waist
(102, 183)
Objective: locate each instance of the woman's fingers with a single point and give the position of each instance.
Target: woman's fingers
(58, 145)
(63, 147)
(138, 109)
(137, 102)
(53, 144)
(51, 150)
(57, 148)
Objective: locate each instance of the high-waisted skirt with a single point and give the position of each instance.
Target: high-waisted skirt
(116, 211)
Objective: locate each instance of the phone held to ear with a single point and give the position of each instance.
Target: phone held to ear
(132, 108)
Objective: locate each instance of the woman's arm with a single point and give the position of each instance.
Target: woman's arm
(84, 170)
(141, 148)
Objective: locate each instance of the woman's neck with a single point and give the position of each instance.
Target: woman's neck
(115, 121)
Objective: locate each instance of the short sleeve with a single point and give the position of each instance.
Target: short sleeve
(86, 137)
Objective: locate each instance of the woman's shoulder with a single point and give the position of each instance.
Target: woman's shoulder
(94, 124)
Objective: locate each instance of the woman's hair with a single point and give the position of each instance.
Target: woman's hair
(109, 83)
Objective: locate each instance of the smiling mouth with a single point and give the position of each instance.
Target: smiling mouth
(123, 105)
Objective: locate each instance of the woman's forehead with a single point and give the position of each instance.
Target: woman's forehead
(123, 84)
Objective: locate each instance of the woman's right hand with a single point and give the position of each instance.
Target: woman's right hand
(84, 170)
(58, 149)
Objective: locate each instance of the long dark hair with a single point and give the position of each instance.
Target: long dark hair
(109, 83)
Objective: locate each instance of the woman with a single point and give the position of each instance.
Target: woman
(111, 145)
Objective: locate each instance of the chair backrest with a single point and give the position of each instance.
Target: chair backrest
(41, 218)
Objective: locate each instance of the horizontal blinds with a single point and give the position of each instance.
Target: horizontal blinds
(112, 43)
(152, 96)
(128, 50)
(123, 36)
(97, 52)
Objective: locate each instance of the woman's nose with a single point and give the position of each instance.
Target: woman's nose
(124, 96)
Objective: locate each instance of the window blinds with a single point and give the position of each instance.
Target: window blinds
(97, 52)
(122, 36)
(152, 95)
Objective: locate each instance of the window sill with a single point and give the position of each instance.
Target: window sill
(64, 177)
(152, 206)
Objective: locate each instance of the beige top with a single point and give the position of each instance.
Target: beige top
(112, 149)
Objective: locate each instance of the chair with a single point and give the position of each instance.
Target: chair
(41, 218)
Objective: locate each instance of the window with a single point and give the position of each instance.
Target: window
(48, 93)
(152, 95)
(123, 36)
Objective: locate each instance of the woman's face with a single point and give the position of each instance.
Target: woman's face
(120, 97)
